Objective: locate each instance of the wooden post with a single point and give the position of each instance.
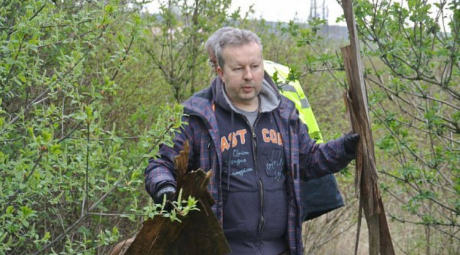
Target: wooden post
(366, 184)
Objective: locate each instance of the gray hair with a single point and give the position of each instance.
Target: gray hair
(213, 40)
(234, 37)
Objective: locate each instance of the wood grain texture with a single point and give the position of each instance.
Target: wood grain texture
(366, 179)
(198, 233)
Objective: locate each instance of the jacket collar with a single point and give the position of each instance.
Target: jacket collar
(202, 104)
(269, 95)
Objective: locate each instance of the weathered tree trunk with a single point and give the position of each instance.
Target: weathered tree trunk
(198, 233)
(366, 174)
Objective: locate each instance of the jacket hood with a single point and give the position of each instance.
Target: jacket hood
(202, 102)
(269, 96)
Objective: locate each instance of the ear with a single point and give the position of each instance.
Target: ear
(220, 72)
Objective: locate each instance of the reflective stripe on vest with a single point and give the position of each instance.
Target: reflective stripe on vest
(305, 104)
(294, 92)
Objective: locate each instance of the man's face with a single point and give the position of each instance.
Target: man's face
(243, 73)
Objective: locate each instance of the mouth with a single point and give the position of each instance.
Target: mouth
(247, 89)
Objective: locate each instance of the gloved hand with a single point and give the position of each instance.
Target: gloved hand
(350, 142)
(167, 191)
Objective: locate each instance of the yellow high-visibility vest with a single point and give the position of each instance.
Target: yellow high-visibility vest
(294, 92)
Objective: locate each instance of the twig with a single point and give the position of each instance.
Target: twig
(115, 214)
(424, 223)
(419, 190)
(66, 231)
(124, 57)
(15, 59)
(85, 197)
(37, 12)
(37, 161)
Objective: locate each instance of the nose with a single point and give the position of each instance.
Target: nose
(248, 73)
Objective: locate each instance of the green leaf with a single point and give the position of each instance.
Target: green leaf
(26, 211)
(9, 210)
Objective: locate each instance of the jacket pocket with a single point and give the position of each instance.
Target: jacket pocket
(273, 163)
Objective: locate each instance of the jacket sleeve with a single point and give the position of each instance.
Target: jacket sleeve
(317, 160)
(160, 170)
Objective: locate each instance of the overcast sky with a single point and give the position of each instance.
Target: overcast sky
(286, 10)
(299, 10)
(281, 10)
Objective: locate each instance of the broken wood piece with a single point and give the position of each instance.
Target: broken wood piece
(366, 183)
(198, 233)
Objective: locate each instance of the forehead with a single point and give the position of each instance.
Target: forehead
(242, 53)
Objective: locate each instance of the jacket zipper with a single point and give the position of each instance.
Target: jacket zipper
(261, 219)
(260, 226)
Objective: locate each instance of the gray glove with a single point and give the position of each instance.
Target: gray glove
(168, 191)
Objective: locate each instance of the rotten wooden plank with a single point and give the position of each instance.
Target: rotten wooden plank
(198, 233)
(366, 172)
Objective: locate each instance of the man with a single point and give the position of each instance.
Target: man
(251, 138)
(320, 195)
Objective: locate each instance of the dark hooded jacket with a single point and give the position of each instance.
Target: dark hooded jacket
(303, 159)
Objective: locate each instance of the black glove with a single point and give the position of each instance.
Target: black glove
(350, 142)
(167, 191)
